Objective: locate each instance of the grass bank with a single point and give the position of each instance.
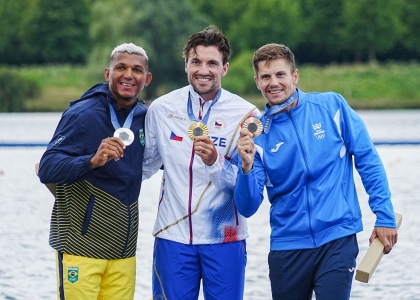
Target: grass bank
(372, 86)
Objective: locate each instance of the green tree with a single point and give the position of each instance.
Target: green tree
(269, 21)
(112, 23)
(222, 13)
(240, 76)
(55, 31)
(372, 26)
(322, 20)
(10, 24)
(411, 13)
(15, 90)
(167, 26)
(161, 27)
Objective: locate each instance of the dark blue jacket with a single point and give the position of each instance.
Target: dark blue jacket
(96, 211)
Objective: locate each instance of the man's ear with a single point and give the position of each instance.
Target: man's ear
(225, 69)
(256, 82)
(296, 77)
(148, 79)
(106, 74)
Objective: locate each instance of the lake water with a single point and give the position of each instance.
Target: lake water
(27, 263)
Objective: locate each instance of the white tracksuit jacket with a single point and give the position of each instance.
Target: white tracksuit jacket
(196, 201)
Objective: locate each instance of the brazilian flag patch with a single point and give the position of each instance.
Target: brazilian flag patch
(141, 136)
(73, 274)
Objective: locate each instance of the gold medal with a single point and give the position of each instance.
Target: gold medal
(254, 125)
(197, 129)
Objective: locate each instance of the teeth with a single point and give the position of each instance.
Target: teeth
(126, 84)
(203, 79)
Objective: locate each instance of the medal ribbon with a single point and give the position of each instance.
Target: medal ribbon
(114, 119)
(275, 109)
(206, 117)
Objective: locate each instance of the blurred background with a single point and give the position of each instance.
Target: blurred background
(52, 51)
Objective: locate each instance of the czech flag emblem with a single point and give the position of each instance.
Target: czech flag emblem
(174, 137)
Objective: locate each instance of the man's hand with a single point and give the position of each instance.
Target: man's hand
(388, 237)
(110, 148)
(246, 149)
(204, 147)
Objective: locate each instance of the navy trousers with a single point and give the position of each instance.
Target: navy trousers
(328, 271)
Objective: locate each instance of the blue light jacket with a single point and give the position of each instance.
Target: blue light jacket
(306, 164)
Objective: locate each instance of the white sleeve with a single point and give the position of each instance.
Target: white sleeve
(152, 160)
(223, 174)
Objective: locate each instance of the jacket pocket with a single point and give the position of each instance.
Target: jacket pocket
(88, 215)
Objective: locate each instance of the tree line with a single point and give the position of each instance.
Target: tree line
(318, 32)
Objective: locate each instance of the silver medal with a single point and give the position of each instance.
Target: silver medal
(125, 135)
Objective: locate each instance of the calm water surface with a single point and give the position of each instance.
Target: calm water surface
(27, 265)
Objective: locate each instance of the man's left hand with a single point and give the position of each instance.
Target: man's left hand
(388, 237)
(205, 148)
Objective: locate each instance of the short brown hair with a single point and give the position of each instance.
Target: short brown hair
(210, 36)
(270, 52)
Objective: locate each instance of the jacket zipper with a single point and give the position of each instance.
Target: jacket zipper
(190, 188)
(308, 174)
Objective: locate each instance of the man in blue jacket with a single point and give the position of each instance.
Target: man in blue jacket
(304, 158)
(95, 158)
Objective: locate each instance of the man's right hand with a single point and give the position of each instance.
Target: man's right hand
(246, 149)
(110, 148)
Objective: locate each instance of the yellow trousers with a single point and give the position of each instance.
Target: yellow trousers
(85, 278)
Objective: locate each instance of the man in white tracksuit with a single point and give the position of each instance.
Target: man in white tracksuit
(192, 132)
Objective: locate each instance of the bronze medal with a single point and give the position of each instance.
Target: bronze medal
(254, 125)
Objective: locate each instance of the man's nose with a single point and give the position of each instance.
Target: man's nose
(128, 73)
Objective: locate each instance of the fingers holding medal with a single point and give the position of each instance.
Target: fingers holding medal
(253, 125)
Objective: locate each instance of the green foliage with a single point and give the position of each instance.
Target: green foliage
(166, 25)
(239, 79)
(322, 21)
(112, 23)
(10, 13)
(411, 13)
(366, 86)
(372, 27)
(59, 85)
(44, 31)
(269, 21)
(161, 27)
(222, 13)
(318, 31)
(15, 90)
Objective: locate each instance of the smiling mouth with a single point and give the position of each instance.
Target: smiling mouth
(127, 84)
(203, 79)
(275, 92)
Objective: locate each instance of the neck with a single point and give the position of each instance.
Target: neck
(126, 103)
(209, 96)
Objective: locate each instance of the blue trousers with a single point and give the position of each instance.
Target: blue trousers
(179, 268)
(328, 271)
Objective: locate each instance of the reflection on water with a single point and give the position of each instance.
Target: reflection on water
(27, 266)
